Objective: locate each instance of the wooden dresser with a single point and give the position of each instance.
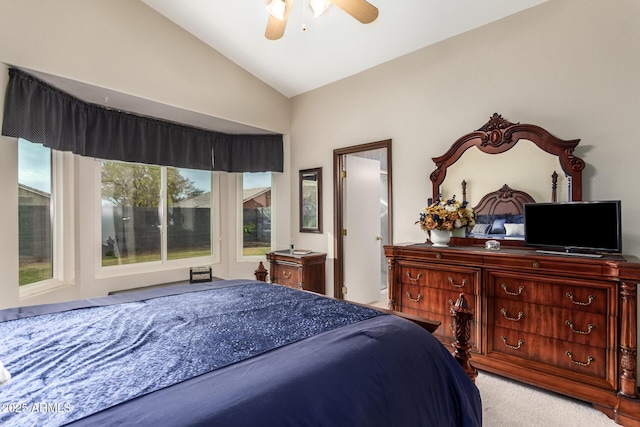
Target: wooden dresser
(305, 271)
(563, 323)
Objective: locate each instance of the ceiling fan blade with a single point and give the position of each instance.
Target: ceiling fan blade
(275, 26)
(362, 10)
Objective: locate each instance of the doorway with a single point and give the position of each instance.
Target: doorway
(363, 218)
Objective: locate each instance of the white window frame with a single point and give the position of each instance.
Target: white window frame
(240, 257)
(63, 227)
(102, 272)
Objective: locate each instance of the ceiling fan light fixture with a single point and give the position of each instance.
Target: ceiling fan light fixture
(277, 9)
(319, 6)
(361, 10)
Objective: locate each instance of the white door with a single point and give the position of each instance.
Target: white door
(362, 244)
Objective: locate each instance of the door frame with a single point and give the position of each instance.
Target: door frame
(338, 208)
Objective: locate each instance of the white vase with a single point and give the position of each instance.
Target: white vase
(440, 237)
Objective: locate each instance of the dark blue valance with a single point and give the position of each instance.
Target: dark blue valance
(41, 113)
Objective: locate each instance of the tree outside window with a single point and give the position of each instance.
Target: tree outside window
(134, 208)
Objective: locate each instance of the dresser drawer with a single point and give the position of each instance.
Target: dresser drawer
(559, 323)
(563, 265)
(571, 356)
(430, 299)
(287, 275)
(593, 297)
(459, 280)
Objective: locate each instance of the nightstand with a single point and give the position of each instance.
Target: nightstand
(299, 271)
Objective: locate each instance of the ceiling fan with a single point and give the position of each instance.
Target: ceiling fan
(279, 11)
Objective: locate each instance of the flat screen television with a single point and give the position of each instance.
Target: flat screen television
(574, 227)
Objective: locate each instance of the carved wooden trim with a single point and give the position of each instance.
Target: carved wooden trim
(462, 316)
(504, 200)
(495, 124)
(261, 273)
(464, 191)
(499, 135)
(628, 340)
(554, 186)
(391, 265)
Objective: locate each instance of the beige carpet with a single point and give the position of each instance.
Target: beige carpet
(513, 404)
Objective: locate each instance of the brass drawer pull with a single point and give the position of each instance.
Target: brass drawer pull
(587, 363)
(504, 288)
(513, 319)
(464, 282)
(286, 274)
(414, 299)
(590, 327)
(520, 343)
(535, 264)
(414, 279)
(570, 296)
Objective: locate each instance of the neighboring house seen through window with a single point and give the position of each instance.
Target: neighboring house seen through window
(256, 213)
(35, 215)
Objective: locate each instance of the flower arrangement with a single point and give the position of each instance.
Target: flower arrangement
(446, 215)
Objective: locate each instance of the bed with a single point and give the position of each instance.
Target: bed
(230, 352)
(500, 214)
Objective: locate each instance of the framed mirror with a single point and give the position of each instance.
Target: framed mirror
(311, 200)
(531, 165)
(498, 136)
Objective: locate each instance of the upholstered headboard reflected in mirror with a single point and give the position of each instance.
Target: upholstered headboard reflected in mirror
(533, 166)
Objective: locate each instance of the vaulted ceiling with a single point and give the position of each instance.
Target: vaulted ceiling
(334, 45)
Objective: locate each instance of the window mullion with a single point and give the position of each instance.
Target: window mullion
(163, 213)
(57, 223)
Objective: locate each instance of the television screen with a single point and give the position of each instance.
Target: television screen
(574, 226)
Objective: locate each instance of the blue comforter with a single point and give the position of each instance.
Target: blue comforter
(232, 355)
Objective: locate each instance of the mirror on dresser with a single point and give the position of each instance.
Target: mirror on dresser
(477, 173)
(503, 165)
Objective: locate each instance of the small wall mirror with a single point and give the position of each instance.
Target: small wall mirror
(311, 200)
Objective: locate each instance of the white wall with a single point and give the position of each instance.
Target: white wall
(124, 46)
(570, 66)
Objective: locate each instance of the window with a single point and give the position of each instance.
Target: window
(256, 213)
(188, 213)
(35, 216)
(139, 201)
